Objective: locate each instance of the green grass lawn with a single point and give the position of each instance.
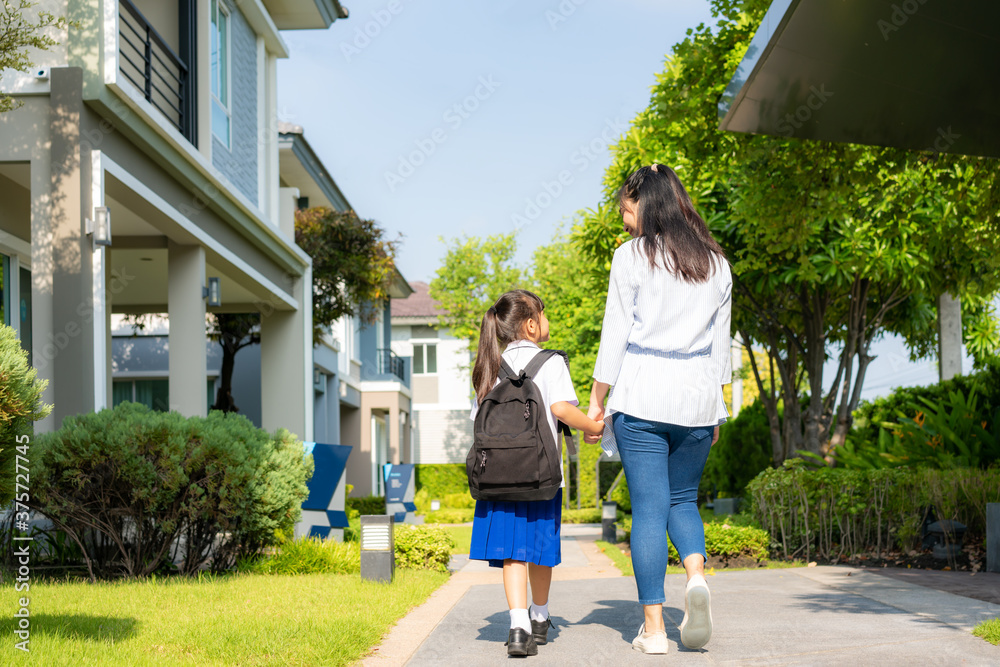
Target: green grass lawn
(462, 536)
(317, 619)
(989, 630)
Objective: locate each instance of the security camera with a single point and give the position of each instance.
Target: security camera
(42, 73)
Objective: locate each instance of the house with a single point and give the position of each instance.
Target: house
(141, 168)
(360, 389)
(442, 386)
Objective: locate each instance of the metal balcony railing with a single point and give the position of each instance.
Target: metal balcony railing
(149, 63)
(389, 363)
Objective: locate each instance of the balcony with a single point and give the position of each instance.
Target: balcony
(390, 364)
(156, 70)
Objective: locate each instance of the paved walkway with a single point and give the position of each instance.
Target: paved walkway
(802, 616)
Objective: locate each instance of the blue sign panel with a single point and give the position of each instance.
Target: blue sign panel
(320, 512)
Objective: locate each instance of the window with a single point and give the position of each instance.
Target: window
(153, 394)
(425, 358)
(221, 120)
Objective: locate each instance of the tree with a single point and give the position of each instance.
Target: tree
(19, 32)
(833, 245)
(475, 272)
(353, 265)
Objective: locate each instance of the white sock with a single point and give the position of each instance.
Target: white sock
(519, 619)
(539, 612)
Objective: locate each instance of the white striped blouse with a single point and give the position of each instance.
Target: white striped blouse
(665, 343)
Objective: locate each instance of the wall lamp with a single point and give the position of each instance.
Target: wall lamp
(213, 293)
(99, 229)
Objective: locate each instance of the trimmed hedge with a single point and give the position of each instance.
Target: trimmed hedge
(423, 547)
(366, 505)
(833, 512)
(441, 479)
(721, 539)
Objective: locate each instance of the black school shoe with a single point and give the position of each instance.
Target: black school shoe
(520, 642)
(540, 630)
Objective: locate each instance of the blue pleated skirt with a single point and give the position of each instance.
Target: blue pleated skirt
(524, 530)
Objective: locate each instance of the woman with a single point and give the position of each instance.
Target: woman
(665, 348)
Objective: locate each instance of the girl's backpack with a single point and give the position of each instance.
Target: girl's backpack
(513, 456)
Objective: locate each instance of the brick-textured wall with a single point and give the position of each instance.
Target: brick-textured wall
(239, 163)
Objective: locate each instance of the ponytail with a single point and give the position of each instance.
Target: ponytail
(487, 366)
(503, 323)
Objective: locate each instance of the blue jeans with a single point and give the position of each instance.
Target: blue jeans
(663, 465)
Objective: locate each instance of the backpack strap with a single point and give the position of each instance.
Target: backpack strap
(532, 369)
(505, 370)
(539, 359)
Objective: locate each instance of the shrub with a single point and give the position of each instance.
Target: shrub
(20, 405)
(306, 555)
(440, 479)
(951, 432)
(870, 415)
(742, 451)
(366, 505)
(125, 483)
(620, 495)
(721, 539)
(832, 512)
(423, 547)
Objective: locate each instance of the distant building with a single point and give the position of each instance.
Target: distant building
(441, 382)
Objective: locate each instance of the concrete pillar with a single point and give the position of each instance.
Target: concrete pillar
(186, 344)
(949, 336)
(288, 201)
(64, 317)
(286, 363)
(359, 462)
(395, 449)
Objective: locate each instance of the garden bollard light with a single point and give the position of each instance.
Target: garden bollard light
(948, 538)
(609, 514)
(435, 505)
(378, 555)
(993, 537)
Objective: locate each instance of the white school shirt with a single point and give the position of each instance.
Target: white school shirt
(665, 343)
(552, 380)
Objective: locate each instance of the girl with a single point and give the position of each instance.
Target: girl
(665, 346)
(523, 537)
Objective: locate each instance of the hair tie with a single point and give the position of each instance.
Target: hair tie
(492, 309)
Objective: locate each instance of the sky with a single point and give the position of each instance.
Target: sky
(454, 117)
(451, 118)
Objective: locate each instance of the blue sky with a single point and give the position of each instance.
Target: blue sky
(540, 90)
(451, 118)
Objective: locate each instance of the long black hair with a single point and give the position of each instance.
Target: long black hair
(669, 225)
(503, 323)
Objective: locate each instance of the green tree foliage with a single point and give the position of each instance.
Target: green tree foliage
(831, 244)
(353, 264)
(475, 272)
(22, 29)
(20, 406)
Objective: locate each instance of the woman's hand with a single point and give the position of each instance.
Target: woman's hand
(595, 412)
(715, 435)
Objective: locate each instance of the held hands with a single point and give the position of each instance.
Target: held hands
(595, 413)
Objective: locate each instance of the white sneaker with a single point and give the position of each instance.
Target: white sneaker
(696, 628)
(653, 642)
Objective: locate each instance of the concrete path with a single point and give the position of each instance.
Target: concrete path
(802, 616)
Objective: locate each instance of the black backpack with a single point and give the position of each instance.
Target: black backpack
(513, 456)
